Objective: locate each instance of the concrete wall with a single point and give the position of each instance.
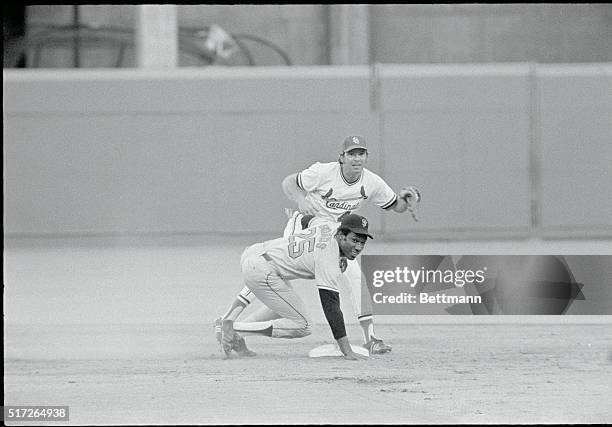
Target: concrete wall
(575, 146)
(461, 134)
(205, 150)
(197, 151)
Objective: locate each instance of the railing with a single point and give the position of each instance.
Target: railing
(204, 46)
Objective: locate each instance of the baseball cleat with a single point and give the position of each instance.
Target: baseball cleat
(227, 336)
(238, 343)
(240, 347)
(377, 346)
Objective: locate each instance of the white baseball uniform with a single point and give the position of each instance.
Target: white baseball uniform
(309, 254)
(334, 196)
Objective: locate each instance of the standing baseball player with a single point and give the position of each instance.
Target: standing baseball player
(320, 253)
(324, 193)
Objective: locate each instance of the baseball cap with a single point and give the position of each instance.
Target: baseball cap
(352, 142)
(355, 223)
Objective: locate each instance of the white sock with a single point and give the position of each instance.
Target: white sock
(243, 299)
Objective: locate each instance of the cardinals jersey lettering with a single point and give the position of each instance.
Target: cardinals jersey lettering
(333, 195)
(311, 254)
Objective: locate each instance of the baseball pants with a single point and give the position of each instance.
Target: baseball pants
(262, 279)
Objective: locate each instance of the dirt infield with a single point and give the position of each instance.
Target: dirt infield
(175, 374)
(134, 345)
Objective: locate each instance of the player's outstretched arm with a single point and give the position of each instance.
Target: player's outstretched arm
(296, 194)
(331, 307)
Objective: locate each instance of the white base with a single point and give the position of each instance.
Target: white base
(332, 350)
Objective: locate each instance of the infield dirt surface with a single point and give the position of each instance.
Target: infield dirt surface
(122, 334)
(175, 374)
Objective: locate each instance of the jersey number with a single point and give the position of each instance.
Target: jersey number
(296, 249)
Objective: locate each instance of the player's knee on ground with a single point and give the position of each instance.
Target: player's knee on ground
(294, 331)
(301, 332)
(304, 331)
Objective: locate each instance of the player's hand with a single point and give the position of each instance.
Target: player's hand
(307, 207)
(355, 356)
(412, 197)
(345, 348)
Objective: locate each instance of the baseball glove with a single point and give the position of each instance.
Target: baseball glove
(412, 197)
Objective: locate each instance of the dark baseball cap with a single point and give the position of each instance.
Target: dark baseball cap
(355, 223)
(353, 142)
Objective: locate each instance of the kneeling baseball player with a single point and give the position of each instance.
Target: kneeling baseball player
(320, 253)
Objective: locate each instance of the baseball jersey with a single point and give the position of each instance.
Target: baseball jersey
(312, 253)
(333, 195)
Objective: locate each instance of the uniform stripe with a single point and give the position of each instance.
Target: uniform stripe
(298, 180)
(391, 202)
(364, 317)
(285, 301)
(244, 300)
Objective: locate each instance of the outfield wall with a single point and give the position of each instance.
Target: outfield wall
(510, 149)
